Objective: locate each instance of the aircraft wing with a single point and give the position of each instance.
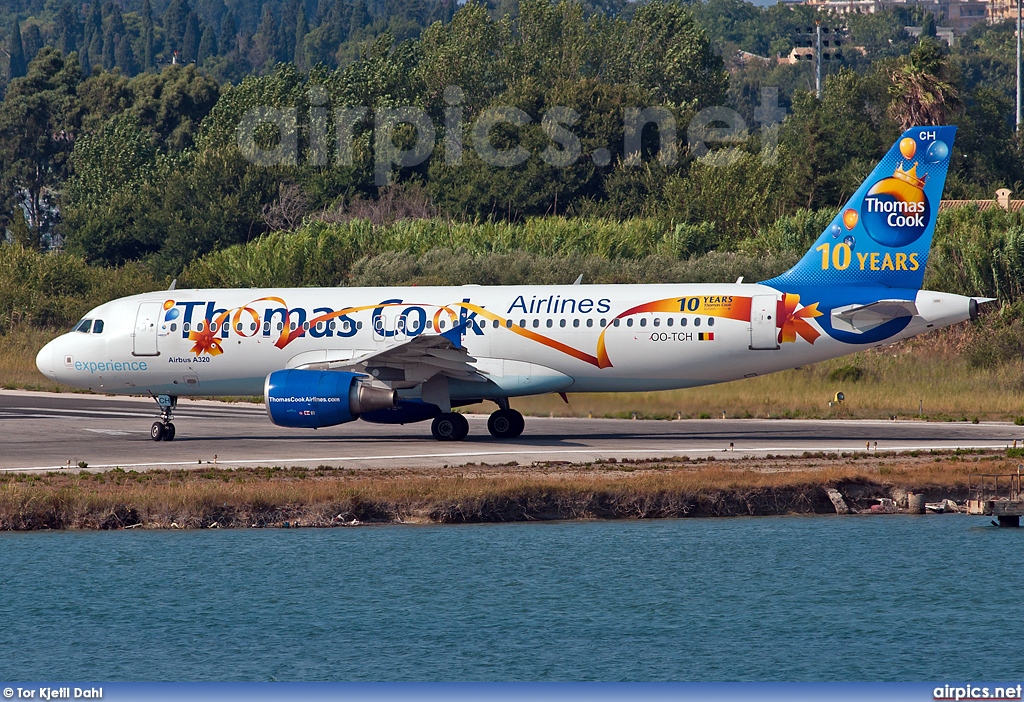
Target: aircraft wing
(858, 319)
(408, 363)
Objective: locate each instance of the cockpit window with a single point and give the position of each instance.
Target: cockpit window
(84, 326)
(97, 326)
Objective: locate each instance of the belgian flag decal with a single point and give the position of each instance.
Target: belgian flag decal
(706, 336)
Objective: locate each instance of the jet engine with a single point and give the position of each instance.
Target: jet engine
(311, 399)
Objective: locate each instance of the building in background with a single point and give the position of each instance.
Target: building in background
(960, 15)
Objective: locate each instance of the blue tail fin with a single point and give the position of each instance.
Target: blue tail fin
(882, 235)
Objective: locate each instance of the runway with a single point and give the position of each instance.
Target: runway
(46, 431)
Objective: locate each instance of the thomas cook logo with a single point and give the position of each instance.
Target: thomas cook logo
(895, 211)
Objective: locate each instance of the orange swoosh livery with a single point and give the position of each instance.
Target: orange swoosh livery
(792, 321)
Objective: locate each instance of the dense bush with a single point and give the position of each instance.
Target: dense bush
(55, 290)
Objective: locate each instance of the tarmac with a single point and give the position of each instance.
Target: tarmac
(50, 431)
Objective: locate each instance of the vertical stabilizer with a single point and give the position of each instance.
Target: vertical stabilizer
(882, 235)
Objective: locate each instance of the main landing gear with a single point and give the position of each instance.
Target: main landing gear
(450, 426)
(163, 430)
(506, 423)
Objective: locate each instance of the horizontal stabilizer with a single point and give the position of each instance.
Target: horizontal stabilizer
(858, 319)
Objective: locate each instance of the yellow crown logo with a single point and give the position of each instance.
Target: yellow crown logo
(909, 176)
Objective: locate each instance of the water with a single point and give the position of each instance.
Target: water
(779, 598)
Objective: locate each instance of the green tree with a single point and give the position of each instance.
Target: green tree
(148, 55)
(301, 30)
(16, 65)
(922, 92)
(190, 41)
(67, 27)
(175, 25)
(33, 40)
(207, 46)
(834, 142)
(172, 104)
(265, 43)
(39, 119)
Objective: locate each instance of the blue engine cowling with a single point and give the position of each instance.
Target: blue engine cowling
(310, 399)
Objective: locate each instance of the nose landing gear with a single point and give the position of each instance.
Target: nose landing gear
(163, 430)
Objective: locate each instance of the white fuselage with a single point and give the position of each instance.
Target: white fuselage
(524, 339)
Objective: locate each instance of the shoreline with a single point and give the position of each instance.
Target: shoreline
(479, 493)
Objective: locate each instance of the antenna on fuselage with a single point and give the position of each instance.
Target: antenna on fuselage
(174, 284)
(578, 280)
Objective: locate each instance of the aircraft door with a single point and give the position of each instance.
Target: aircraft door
(763, 329)
(146, 321)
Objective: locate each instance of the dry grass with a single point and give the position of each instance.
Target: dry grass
(328, 496)
(928, 377)
(18, 349)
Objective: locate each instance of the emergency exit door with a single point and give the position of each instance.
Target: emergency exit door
(763, 323)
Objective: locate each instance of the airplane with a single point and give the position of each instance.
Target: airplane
(326, 356)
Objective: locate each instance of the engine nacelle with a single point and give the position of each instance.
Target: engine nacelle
(311, 399)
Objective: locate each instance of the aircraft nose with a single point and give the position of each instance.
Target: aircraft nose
(44, 361)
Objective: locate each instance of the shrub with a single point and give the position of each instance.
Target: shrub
(846, 374)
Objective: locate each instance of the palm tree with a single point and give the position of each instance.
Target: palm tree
(921, 95)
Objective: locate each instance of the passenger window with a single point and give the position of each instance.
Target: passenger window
(575, 322)
(643, 322)
(440, 324)
(84, 326)
(238, 326)
(629, 322)
(305, 326)
(508, 323)
(603, 322)
(682, 322)
(430, 324)
(495, 325)
(696, 321)
(711, 323)
(252, 326)
(280, 326)
(615, 323)
(668, 322)
(200, 326)
(185, 327)
(97, 326)
(561, 322)
(550, 322)
(174, 327)
(330, 325)
(359, 325)
(292, 326)
(590, 322)
(522, 323)
(657, 322)
(536, 323)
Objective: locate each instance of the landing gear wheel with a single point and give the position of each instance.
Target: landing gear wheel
(450, 426)
(506, 424)
(163, 430)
